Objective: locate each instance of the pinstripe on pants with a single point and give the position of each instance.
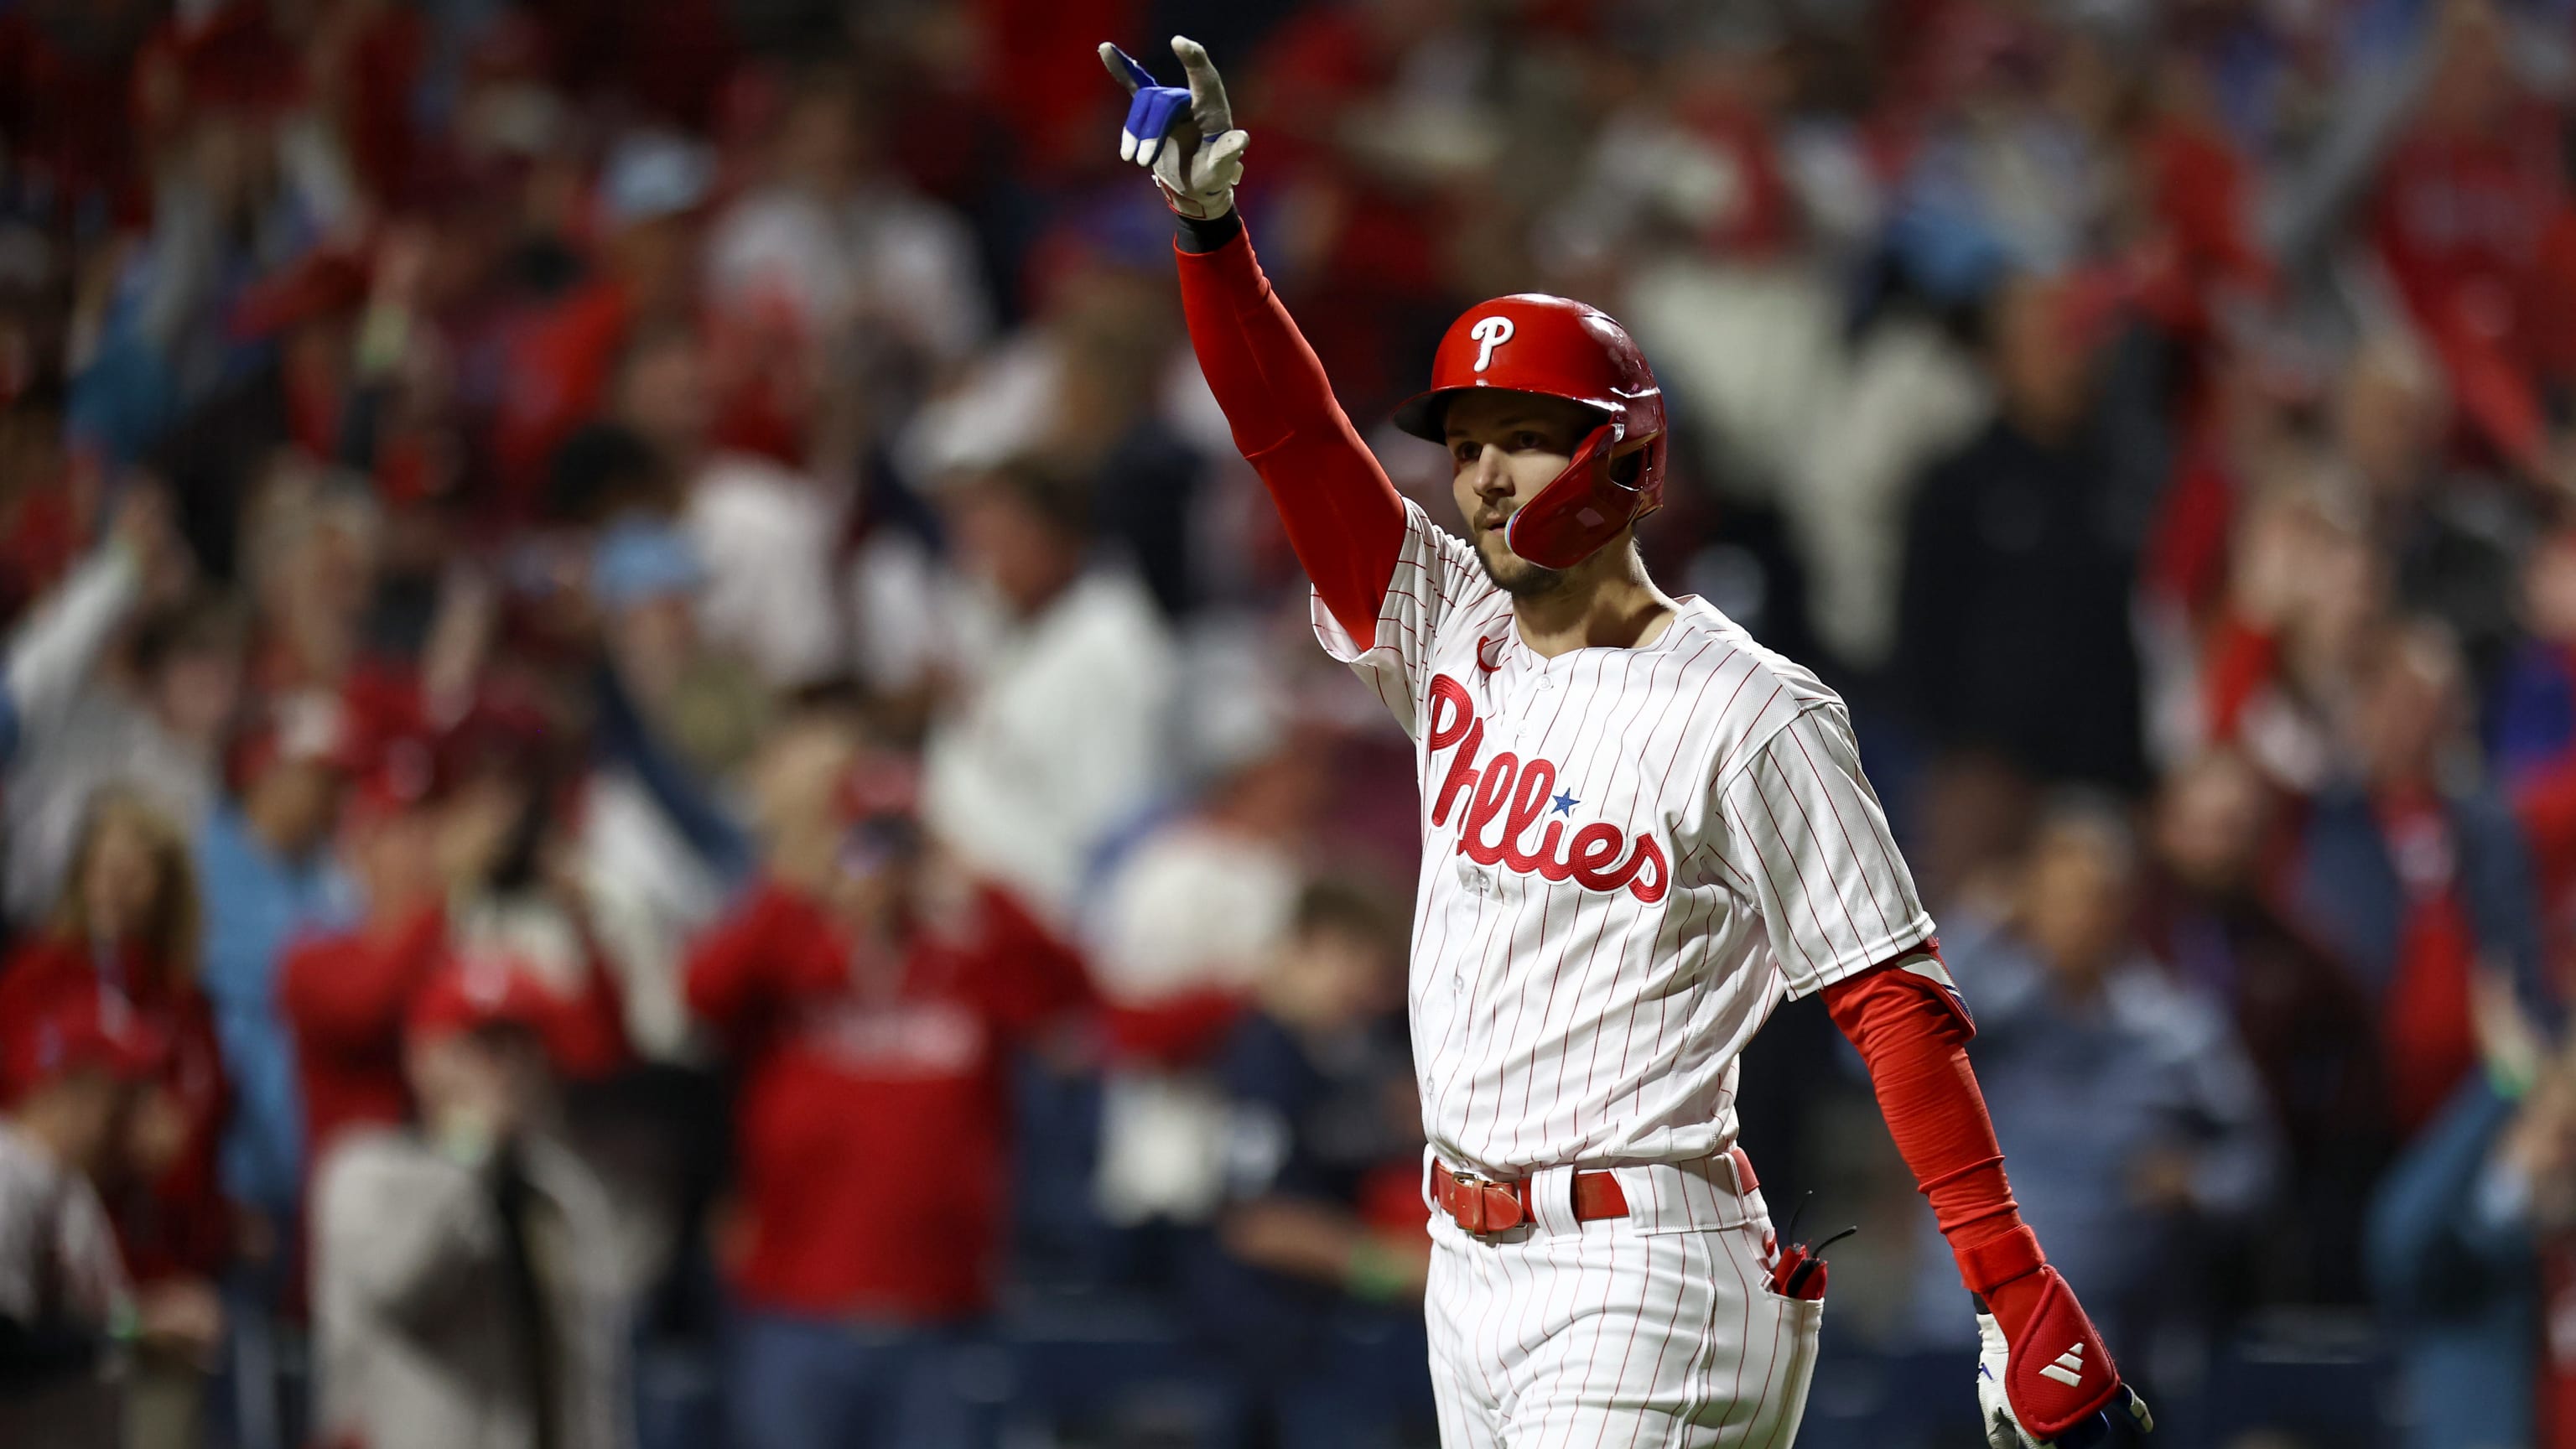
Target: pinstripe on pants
(1607, 1336)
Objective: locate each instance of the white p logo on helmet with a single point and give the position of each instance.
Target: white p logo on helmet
(1490, 333)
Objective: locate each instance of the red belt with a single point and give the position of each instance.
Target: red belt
(1482, 1205)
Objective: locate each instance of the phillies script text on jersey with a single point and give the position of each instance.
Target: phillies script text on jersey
(1633, 854)
(1517, 792)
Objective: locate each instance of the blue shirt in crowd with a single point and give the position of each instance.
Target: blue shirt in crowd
(2455, 1257)
(2081, 1092)
(257, 904)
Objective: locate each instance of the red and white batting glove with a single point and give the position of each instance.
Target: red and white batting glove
(1185, 136)
(2044, 1376)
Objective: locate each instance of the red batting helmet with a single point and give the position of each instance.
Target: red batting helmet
(1541, 344)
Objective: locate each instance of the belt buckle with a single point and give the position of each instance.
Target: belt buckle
(1487, 1194)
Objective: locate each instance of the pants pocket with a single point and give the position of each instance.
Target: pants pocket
(1799, 1323)
(1805, 1324)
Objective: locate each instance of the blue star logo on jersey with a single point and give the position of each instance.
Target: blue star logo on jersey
(1565, 803)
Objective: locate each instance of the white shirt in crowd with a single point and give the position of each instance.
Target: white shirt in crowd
(420, 1336)
(75, 734)
(58, 1265)
(881, 254)
(1195, 907)
(1056, 737)
(648, 895)
(770, 539)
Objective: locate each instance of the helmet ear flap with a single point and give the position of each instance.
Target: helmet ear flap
(1579, 511)
(1596, 457)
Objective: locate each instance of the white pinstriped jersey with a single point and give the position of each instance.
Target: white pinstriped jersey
(1630, 855)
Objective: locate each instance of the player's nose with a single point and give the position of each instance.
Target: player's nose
(1492, 479)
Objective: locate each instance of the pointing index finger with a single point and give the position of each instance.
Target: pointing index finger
(1123, 68)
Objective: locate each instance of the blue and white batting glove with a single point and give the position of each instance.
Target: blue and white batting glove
(1167, 127)
(2003, 1426)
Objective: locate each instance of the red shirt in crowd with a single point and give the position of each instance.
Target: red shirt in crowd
(2473, 228)
(1378, 247)
(177, 1226)
(555, 374)
(871, 1123)
(1046, 106)
(2544, 801)
(2425, 1019)
(346, 998)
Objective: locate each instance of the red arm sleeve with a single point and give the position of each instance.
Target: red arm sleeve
(350, 992)
(2241, 660)
(1914, 1037)
(1031, 976)
(1913, 1031)
(1028, 974)
(1178, 1031)
(1343, 516)
(759, 954)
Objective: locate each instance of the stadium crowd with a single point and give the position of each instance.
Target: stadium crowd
(665, 785)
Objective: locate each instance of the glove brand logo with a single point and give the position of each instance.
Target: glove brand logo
(1490, 333)
(1516, 792)
(2069, 1368)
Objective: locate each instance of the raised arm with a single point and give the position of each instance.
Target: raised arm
(760, 957)
(1343, 517)
(347, 994)
(50, 658)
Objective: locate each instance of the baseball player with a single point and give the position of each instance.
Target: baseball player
(1641, 829)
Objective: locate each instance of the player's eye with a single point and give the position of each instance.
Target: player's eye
(1464, 450)
(1525, 440)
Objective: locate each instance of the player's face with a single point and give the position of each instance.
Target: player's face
(1503, 448)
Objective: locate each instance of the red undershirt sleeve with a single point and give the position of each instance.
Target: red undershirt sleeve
(1343, 517)
(1913, 1036)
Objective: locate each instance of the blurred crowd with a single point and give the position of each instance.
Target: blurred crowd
(664, 784)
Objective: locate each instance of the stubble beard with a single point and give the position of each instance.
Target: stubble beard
(1513, 574)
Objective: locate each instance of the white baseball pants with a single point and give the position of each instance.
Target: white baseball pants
(1659, 1328)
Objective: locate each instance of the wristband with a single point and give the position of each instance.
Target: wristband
(1201, 236)
(1991, 1264)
